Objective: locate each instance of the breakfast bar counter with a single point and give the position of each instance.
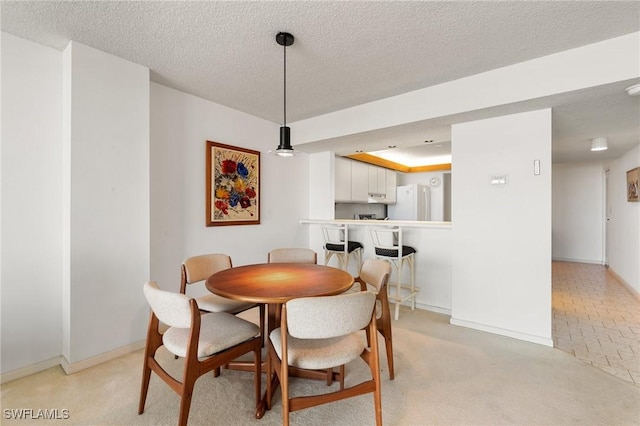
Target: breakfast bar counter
(432, 241)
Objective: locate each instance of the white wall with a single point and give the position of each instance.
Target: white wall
(180, 126)
(31, 209)
(501, 236)
(624, 224)
(106, 201)
(578, 212)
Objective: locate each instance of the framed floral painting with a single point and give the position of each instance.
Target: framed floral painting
(633, 185)
(233, 185)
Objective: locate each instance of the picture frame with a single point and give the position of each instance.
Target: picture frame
(632, 185)
(232, 185)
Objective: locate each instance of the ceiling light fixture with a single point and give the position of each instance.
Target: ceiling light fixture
(633, 90)
(285, 149)
(599, 144)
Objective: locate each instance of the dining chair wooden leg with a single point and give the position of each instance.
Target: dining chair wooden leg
(342, 377)
(329, 376)
(272, 368)
(146, 376)
(375, 371)
(257, 360)
(389, 345)
(154, 341)
(185, 401)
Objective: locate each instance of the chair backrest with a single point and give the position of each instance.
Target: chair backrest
(199, 268)
(335, 234)
(171, 308)
(329, 316)
(375, 272)
(387, 240)
(292, 255)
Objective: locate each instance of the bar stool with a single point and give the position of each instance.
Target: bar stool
(335, 236)
(387, 243)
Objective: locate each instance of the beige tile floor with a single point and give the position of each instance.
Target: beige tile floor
(597, 319)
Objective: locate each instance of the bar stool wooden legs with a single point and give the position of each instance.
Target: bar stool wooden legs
(388, 245)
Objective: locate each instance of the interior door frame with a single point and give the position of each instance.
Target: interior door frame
(606, 219)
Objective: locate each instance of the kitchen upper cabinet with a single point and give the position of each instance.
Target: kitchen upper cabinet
(391, 182)
(377, 180)
(343, 179)
(359, 182)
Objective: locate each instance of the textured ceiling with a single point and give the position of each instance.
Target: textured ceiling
(346, 52)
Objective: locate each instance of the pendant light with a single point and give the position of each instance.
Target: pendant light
(285, 149)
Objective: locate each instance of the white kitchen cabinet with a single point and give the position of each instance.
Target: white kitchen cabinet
(359, 182)
(391, 183)
(356, 181)
(377, 180)
(342, 179)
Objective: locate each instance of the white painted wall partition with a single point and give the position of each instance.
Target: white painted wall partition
(106, 202)
(578, 212)
(624, 226)
(31, 282)
(601, 63)
(501, 236)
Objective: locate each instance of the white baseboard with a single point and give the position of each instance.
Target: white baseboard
(431, 308)
(567, 259)
(30, 369)
(503, 332)
(618, 278)
(74, 367)
(70, 368)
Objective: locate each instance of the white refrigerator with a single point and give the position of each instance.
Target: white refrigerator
(412, 203)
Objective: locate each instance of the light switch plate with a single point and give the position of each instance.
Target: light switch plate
(498, 180)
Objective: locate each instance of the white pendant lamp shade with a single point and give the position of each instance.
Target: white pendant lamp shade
(599, 144)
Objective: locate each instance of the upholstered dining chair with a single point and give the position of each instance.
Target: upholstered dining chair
(297, 255)
(374, 276)
(318, 333)
(292, 255)
(197, 269)
(206, 341)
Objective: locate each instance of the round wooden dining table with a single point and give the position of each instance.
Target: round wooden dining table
(277, 283)
(274, 284)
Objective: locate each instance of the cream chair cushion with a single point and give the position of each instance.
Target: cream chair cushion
(323, 331)
(292, 255)
(171, 308)
(218, 331)
(215, 303)
(318, 354)
(199, 268)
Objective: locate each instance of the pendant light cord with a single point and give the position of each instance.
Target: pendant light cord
(285, 84)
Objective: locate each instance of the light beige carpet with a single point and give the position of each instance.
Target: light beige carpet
(445, 375)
